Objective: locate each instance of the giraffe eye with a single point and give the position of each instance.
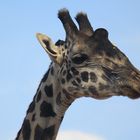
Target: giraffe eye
(79, 58)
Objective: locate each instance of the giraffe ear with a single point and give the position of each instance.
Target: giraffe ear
(54, 51)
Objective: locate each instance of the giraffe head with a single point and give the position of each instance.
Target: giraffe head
(88, 63)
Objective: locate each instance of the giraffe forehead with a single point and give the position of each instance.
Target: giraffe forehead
(91, 44)
(93, 48)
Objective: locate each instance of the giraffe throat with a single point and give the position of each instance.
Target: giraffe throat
(46, 111)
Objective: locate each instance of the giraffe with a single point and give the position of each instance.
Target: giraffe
(86, 64)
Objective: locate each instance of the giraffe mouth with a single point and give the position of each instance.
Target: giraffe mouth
(130, 92)
(128, 83)
(134, 85)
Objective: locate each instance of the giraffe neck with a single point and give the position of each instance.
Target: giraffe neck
(47, 109)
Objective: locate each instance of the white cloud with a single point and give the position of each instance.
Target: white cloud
(76, 135)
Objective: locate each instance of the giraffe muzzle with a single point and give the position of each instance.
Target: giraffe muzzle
(131, 87)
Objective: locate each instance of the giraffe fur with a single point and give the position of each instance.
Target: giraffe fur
(86, 64)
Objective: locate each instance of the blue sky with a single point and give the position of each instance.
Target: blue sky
(23, 63)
